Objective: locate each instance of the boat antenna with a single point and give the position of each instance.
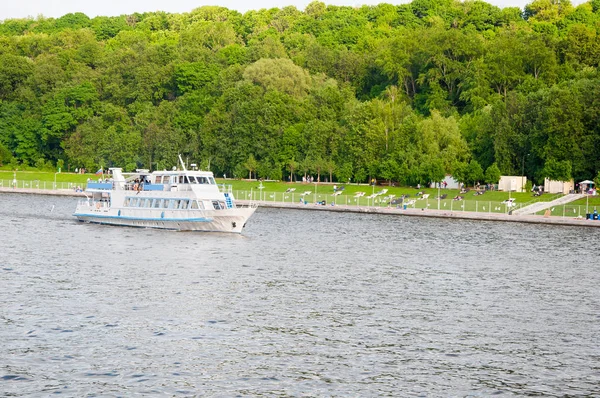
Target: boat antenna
(182, 164)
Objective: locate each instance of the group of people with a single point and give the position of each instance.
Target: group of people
(138, 184)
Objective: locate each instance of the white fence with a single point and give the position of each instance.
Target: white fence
(312, 198)
(39, 184)
(448, 204)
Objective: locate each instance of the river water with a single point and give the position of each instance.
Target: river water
(301, 304)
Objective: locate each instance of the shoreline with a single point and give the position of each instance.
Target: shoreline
(49, 192)
(467, 215)
(502, 217)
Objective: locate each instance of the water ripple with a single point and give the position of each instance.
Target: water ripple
(302, 304)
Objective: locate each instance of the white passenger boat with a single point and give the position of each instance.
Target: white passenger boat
(186, 200)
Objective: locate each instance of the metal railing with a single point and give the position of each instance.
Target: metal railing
(539, 199)
(35, 184)
(312, 198)
(448, 204)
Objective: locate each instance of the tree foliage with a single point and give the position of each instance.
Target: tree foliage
(405, 93)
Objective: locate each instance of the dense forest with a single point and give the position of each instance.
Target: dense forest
(405, 93)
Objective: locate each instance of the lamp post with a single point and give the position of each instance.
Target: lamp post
(523, 173)
(373, 194)
(260, 194)
(439, 185)
(587, 197)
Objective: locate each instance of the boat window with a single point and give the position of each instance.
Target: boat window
(216, 205)
(157, 203)
(193, 180)
(212, 180)
(158, 179)
(148, 203)
(203, 180)
(183, 204)
(194, 204)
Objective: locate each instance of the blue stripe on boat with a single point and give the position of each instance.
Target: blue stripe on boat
(202, 219)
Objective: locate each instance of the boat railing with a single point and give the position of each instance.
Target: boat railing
(251, 205)
(95, 203)
(131, 186)
(146, 187)
(226, 188)
(107, 186)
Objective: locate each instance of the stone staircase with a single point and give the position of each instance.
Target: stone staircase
(539, 206)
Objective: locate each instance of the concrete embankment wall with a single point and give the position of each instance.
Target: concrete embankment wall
(467, 215)
(580, 222)
(52, 192)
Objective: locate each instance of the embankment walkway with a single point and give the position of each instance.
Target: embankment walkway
(465, 215)
(52, 192)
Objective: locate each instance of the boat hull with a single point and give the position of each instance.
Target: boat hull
(228, 220)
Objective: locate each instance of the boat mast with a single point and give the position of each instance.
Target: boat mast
(182, 164)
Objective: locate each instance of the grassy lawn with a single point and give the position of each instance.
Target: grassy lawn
(45, 176)
(352, 189)
(324, 191)
(590, 201)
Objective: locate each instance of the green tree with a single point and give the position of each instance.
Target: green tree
(14, 71)
(5, 155)
(251, 165)
(557, 170)
(474, 172)
(492, 174)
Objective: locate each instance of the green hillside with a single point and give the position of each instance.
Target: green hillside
(403, 93)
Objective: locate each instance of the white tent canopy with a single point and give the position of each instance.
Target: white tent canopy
(587, 182)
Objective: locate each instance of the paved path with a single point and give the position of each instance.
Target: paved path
(539, 206)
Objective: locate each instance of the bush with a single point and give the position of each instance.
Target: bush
(5, 155)
(44, 165)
